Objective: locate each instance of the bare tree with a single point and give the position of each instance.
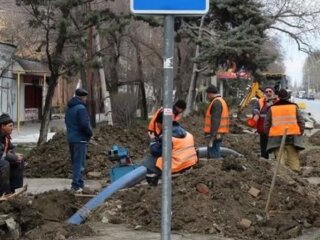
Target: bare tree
(298, 19)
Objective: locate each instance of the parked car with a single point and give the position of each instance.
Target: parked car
(310, 97)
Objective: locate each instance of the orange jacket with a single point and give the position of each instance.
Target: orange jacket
(153, 125)
(156, 127)
(183, 154)
(224, 122)
(284, 116)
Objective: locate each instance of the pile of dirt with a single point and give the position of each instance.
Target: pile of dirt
(310, 160)
(211, 198)
(315, 139)
(214, 198)
(41, 217)
(52, 158)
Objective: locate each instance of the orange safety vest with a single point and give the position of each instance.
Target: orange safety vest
(224, 122)
(284, 116)
(183, 154)
(156, 127)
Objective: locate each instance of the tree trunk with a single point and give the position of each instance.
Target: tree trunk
(44, 128)
(141, 85)
(113, 58)
(105, 94)
(195, 74)
(177, 80)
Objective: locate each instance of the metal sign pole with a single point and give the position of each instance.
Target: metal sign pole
(167, 128)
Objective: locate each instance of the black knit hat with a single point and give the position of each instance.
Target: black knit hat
(180, 104)
(283, 94)
(80, 92)
(212, 89)
(5, 119)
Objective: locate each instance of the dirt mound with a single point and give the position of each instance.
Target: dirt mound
(315, 139)
(214, 197)
(310, 160)
(52, 158)
(211, 198)
(42, 216)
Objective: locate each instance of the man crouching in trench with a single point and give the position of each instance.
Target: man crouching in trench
(184, 153)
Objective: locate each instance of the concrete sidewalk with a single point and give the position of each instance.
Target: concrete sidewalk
(29, 131)
(121, 232)
(41, 185)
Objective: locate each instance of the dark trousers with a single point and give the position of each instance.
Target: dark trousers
(263, 145)
(11, 176)
(214, 151)
(150, 163)
(78, 153)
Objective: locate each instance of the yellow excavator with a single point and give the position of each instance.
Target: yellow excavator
(267, 79)
(277, 81)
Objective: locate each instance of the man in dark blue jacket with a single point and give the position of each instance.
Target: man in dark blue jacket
(79, 133)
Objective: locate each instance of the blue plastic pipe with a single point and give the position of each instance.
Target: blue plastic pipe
(127, 180)
(203, 152)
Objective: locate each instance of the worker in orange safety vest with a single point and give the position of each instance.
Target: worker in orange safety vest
(216, 122)
(281, 115)
(183, 157)
(155, 127)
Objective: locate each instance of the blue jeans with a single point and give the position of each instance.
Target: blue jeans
(214, 151)
(78, 153)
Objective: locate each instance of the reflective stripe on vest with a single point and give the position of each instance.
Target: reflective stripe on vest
(183, 154)
(284, 116)
(224, 122)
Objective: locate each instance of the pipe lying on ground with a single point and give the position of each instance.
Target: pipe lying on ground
(127, 180)
(203, 152)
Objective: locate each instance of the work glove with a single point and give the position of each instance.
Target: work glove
(209, 140)
(151, 135)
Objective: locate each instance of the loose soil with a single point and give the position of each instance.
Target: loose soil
(211, 198)
(43, 216)
(219, 206)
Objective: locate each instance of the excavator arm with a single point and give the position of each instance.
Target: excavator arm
(254, 91)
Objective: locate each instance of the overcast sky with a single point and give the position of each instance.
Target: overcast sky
(295, 59)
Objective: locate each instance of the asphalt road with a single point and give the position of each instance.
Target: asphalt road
(312, 106)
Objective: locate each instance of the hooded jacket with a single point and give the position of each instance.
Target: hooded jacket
(183, 151)
(77, 121)
(156, 144)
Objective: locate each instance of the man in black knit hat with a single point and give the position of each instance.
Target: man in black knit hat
(11, 163)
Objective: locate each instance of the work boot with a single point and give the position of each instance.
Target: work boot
(152, 179)
(76, 190)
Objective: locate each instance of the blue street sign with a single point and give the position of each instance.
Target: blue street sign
(176, 7)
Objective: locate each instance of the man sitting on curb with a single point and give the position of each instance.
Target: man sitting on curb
(11, 163)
